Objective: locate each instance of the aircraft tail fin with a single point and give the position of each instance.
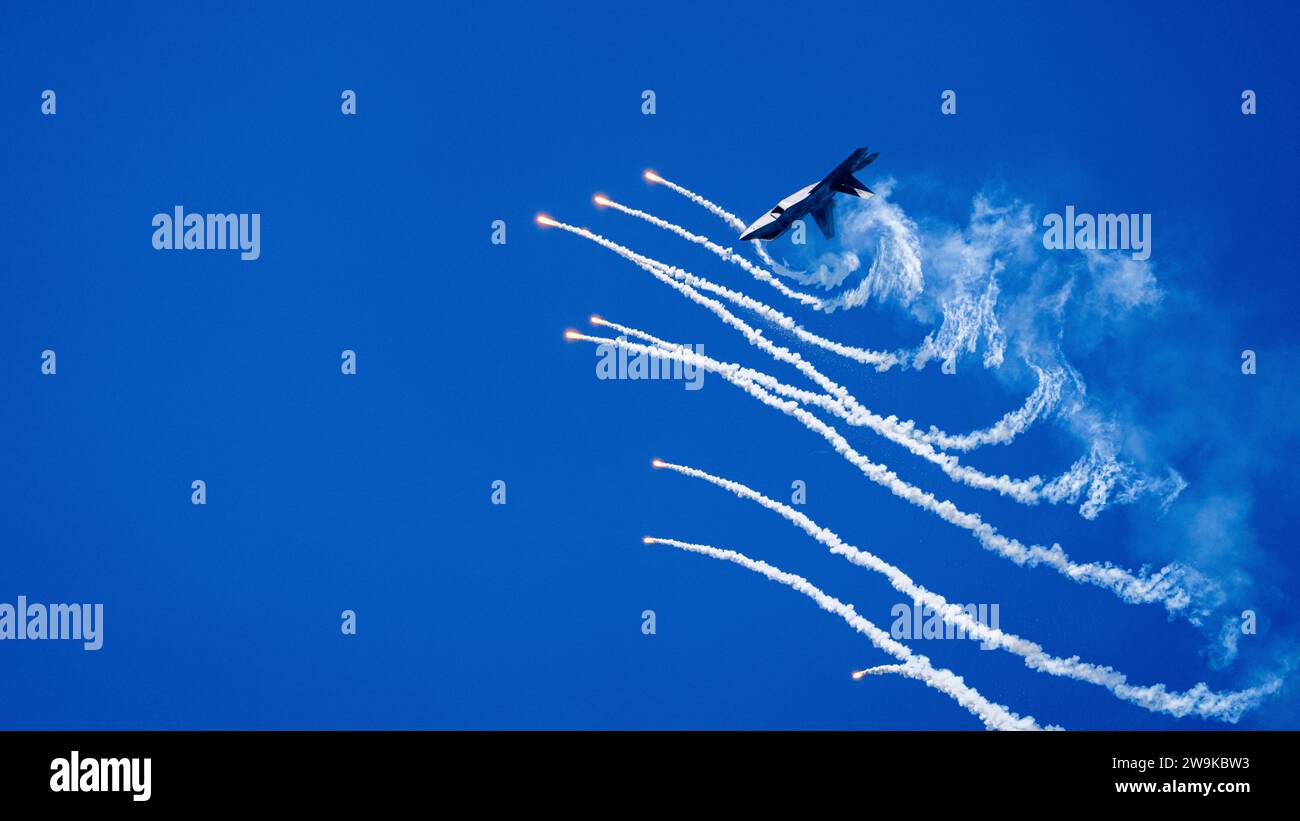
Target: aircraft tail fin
(865, 161)
(825, 217)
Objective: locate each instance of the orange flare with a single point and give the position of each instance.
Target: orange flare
(600, 199)
(542, 219)
(595, 319)
(571, 335)
(653, 177)
(857, 674)
(647, 539)
(658, 463)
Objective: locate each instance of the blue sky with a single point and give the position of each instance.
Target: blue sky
(371, 492)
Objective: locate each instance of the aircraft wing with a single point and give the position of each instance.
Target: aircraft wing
(797, 196)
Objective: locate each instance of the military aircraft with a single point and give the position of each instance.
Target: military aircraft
(817, 199)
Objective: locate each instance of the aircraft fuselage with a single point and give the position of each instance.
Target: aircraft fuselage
(816, 199)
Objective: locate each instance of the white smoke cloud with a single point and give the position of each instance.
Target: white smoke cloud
(1120, 283)
(831, 269)
(891, 238)
(990, 284)
(780, 268)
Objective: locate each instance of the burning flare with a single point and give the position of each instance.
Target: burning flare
(880, 670)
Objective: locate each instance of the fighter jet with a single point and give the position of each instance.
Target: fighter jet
(817, 199)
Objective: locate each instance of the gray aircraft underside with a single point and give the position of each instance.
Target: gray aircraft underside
(817, 199)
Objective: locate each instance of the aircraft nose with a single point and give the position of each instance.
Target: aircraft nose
(759, 224)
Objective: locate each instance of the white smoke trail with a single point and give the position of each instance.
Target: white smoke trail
(1169, 586)
(995, 716)
(1044, 397)
(774, 265)
(1022, 490)
(1094, 476)
(670, 275)
(1025, 491)
(1199, 701)
(717, 210)
(727, 217)
(761, 274)
(689, 357)
(880, 670)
